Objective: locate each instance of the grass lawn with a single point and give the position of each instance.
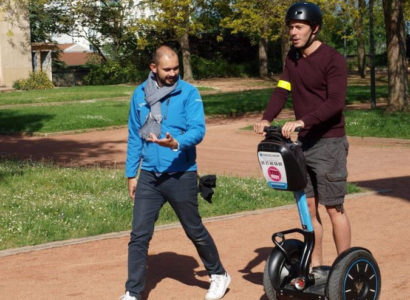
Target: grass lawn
(42, 202)
(98, 114)
(371, 123)
(78, 93)
(107, 113)
(68, 94)
(65, 94)
(378, 123)
(358, 93)
(70, 116)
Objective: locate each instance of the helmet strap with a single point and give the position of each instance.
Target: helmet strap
(309, 42)
(310, 39)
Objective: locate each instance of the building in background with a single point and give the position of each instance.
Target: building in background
(15, 47)
(74, 54)
(18, 57)
(42, 58)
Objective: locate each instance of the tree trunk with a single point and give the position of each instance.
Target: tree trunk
(97, 47)
(186, 57)
(285, 45)
(361, 51)
(396, 54)
(263, 58)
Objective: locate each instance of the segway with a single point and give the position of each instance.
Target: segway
(353, 275)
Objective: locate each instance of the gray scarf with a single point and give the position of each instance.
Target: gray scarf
(153, 95)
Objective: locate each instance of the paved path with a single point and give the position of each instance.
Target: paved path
(97, 269)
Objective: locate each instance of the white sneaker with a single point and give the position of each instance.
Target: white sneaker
(127, 296)
(219, 284)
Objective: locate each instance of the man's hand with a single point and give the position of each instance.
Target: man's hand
(167, 141)
(132, 185)
(260, 125)
(289, 127)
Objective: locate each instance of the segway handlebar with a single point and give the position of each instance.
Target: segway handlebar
(277, 129)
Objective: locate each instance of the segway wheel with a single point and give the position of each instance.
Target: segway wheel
(355, 275)
(279, 270)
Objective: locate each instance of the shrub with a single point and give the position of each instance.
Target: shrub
(112, 72)
(36, 81)
(218, 67)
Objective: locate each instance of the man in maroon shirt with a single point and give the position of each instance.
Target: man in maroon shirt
(316, 76)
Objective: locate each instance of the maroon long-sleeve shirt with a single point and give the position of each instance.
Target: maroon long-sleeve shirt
(318, 85)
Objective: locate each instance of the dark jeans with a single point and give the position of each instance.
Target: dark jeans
(180, 190)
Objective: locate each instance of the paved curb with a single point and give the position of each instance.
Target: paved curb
(120, 234)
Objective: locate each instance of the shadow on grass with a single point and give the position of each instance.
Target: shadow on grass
(175, 266)
(362, 93)
(5, 173)
(12, 122)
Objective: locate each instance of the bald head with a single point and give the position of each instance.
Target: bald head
(165, 65)
(161, 52)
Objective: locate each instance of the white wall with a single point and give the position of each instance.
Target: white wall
(15, 49)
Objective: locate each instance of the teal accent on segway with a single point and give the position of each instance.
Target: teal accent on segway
(353, 275)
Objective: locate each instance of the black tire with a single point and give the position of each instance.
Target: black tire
(280, 268)
(355, 275)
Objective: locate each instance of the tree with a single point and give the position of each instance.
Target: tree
(107, 25)
(360, 37)
(262, 21)
(47, 18)
(178, 19)
(396, 55)
(354, 18)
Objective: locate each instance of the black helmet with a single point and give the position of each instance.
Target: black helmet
(305, 11)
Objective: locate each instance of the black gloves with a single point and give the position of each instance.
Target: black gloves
(206, 185)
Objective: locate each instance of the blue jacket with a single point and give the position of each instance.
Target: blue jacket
(183, 117)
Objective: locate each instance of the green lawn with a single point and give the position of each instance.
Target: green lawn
(234, 104)
(70, 116)
(107, 113)
(78, 93)
(68, 94)
(374, 123)
(378, 123)
(357, 93)
(65, 94)
(42, 202)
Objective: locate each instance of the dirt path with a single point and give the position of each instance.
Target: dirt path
(97, 269)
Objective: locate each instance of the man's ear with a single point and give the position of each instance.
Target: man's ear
(153, 68)
(316, 29)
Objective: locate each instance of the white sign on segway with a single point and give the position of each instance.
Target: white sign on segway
(273, 169)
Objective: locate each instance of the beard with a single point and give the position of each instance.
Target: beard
(167, 80)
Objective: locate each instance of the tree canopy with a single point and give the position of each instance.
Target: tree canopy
(119, 33)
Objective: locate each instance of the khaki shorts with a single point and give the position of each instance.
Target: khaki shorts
(326, 167)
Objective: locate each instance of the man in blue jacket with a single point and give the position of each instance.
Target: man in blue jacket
(166, 122)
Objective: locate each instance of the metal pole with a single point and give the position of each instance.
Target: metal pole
(372, 55)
